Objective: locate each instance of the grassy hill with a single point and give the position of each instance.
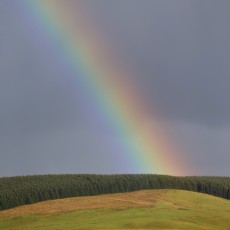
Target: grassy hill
(18, 191)
(146, 209)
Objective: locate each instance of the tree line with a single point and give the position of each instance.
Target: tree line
(16, 191)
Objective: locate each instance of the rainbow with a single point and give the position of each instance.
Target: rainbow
(116, 98)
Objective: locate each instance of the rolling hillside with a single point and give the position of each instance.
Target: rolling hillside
(146, 209)
(18, 191)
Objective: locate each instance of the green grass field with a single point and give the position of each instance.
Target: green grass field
(152, 209)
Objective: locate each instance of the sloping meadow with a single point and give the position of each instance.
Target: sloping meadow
(17, 191)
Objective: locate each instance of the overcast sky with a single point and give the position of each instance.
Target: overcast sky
(180, 53)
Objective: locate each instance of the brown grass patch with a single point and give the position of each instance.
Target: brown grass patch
(144, 198)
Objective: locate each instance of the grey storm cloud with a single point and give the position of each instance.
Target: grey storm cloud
(179, 51)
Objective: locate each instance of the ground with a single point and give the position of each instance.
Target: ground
(149, 209)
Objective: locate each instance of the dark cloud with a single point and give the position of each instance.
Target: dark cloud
(179, 51)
